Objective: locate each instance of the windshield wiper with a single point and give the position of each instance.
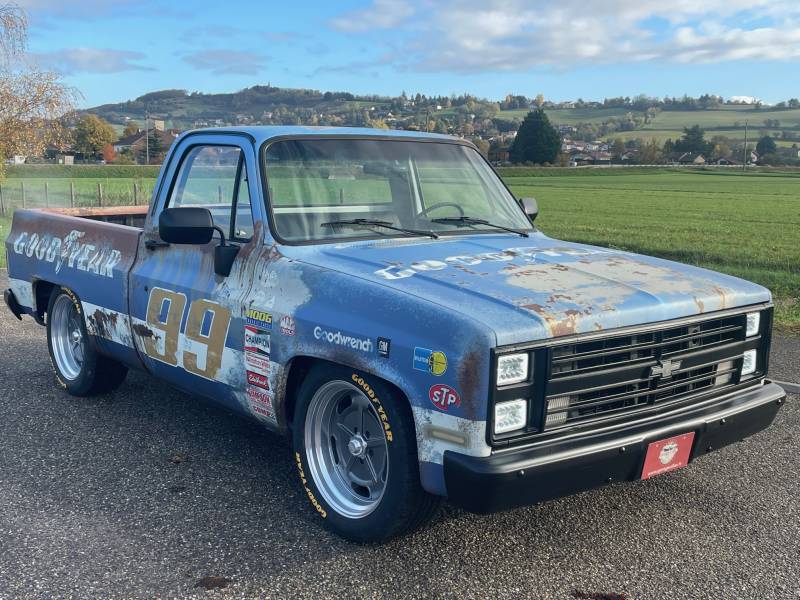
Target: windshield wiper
(378, 223)
(474, 221)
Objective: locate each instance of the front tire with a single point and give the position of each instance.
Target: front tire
(355, 450)
(78, 367)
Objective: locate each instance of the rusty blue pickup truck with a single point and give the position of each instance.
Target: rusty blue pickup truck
(384, 300)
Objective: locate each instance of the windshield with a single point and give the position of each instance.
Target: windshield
(330, 189)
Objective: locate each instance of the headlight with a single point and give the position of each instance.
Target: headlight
(510, 415)
(753, 322)
(749, 362)
(512, 368)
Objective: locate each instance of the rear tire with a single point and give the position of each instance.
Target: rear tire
(355, 449)
(79, 368)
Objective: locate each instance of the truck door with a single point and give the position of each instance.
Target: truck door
(189, 321)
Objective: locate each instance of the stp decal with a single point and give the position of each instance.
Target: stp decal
(258, 318)
(434, 362)
(443, 396)
(256, 340)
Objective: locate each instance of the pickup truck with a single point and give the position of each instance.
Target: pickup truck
(384, 300)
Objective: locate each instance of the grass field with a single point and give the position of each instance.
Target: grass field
(747, 225)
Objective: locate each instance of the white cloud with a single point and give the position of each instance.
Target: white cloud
(382, 14)
(227, 62)
(92, 60)
(506, 35)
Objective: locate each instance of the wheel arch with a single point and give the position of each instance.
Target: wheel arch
(300, 365)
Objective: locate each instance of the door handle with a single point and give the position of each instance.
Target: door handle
(153, 244)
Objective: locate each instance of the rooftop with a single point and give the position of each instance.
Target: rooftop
(264, 133)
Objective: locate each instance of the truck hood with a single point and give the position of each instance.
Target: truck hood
(536, 288)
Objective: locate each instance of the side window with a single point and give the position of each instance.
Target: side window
(215, 177)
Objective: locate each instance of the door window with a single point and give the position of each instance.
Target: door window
(215, 177)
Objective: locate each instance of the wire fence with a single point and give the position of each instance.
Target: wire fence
(72, 193)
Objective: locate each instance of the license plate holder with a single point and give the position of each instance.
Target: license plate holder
(667, 455)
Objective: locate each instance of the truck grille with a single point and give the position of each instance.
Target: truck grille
(599, 378)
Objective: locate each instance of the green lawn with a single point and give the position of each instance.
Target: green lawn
(746, 225)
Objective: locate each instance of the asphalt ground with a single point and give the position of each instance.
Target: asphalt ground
(147, 492)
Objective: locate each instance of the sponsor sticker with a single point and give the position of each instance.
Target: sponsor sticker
(432, 361)
(257, 362)
(256, 340)
(287, 325)
(260, 397)
(257, 379)
(384, 346)
(258, 318)
(338, 338)
(68, 252)
(443, 396)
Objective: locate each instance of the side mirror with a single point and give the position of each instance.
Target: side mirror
(190, 225)
(530, 206)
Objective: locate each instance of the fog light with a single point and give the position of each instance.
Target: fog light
(510, 415)
(557, 403)
(512, 368)
(753, 322)
(749, 362)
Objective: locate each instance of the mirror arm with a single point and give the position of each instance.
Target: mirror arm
(221, 235)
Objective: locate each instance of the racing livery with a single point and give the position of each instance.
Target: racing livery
(383, 299)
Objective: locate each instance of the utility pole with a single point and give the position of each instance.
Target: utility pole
(427, 119)
(146, 138)
(744, 158)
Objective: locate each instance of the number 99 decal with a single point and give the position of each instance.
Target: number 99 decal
(203, 339)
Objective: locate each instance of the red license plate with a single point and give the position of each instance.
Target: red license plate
(667, 455)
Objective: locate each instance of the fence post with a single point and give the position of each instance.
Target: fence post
(72, 194)
(22, 185)
(46, 196)
(219, 193)
(2, 205)
(135, 193)
(99, 194)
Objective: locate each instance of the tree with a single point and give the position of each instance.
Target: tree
(618, 148)
(537, 140)
(109, 154)
(155, 142)
(92, 134)
(766, 145)
(649, 153)
(131, 128)
(482, 145)
(694, 141)
(32, 100)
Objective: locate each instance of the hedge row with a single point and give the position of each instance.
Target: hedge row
(81, 171)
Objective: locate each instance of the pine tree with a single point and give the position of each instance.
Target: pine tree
(537, 140)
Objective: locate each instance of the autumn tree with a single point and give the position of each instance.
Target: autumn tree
(109, 154)
(32, 100)
(92, 134)
(131, 128)
(537, 140)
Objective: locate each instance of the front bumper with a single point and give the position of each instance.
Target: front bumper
(566, 466)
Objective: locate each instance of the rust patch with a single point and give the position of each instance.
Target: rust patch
(723, 296)
(143, 331)
(598, 326)
(469, 380)
(103, 323)
(699, 303)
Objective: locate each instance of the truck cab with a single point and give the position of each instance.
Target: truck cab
(384, 300)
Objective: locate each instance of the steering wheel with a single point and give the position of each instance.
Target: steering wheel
(424, 212)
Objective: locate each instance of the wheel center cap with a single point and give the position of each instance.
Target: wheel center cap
(357, 445)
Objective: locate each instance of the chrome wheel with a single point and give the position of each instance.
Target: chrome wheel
(346, 449)
(67, 338)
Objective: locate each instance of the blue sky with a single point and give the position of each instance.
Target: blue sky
(114, 50)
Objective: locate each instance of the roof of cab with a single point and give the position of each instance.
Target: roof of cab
(264, 133)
